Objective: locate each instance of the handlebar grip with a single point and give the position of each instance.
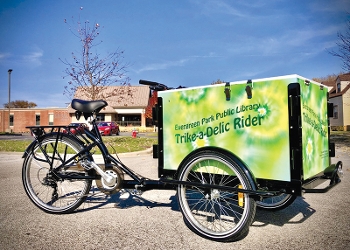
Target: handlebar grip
(150, 83)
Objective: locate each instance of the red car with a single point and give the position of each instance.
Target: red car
(108, 128)
(76, 128)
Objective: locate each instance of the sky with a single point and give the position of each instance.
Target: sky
(175, 42)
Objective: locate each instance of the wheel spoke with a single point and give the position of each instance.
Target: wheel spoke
(276, 202)
(43, 187)
(215, 213)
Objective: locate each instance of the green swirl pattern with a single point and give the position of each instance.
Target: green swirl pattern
(256, 130)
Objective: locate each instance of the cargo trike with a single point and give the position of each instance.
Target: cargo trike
(226, 149)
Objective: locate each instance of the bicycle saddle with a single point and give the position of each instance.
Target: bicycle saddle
(88, 106)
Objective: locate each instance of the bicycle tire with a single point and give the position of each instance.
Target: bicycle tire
(48, 193)
(276, 203)
(218, 215)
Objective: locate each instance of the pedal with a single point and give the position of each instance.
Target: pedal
(87, 165)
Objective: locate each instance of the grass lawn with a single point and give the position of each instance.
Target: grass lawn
(117, 144)
(341, 138)
(123, 144)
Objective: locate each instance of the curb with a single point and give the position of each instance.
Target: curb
(99, 160)
(137, 153)
(7, 134)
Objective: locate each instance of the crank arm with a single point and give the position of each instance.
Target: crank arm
(110, 180)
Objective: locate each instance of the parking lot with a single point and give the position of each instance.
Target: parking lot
(153, 221)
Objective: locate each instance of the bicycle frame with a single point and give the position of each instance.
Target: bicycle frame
(137, 182)
(96, 140)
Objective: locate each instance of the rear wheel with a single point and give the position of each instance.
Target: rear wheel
(42, 184)
(215, 213)
(275, 203)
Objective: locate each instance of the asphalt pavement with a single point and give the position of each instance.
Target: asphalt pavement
(153, 220)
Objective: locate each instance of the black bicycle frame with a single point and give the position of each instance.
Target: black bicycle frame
(137, 182)
(96, 140)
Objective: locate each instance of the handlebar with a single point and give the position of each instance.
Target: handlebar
(150, 83)
(154, 85)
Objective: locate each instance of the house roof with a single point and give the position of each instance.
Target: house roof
(341, 92)
(330, 84)
(128, 97)
(123, 97)
(342, 78)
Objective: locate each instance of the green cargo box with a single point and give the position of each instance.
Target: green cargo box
(278, 127)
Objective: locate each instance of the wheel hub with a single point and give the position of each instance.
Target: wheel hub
(49, 181)
(112, 181)
(114, 185)
(215, 194)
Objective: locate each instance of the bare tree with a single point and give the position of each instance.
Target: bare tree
(328, 78)
(218, 81)
(343, 48)
(90, 74)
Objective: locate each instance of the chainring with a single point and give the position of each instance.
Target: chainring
(103, 187)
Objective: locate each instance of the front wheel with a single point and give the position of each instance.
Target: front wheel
(215, 213)
(42, 183)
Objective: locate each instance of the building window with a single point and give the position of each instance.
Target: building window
(338, 87)
(50, 119)
(335, 112)
(129, 120)
(37, 120)
(11, 120)
(100, 117)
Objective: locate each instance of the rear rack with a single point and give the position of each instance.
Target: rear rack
(38, 131)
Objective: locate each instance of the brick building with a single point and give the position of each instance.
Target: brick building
(128, 110)
(22, 117)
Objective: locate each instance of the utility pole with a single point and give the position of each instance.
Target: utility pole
(9, 103)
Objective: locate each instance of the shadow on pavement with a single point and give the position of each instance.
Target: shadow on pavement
(123, 200)
(298, 212)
